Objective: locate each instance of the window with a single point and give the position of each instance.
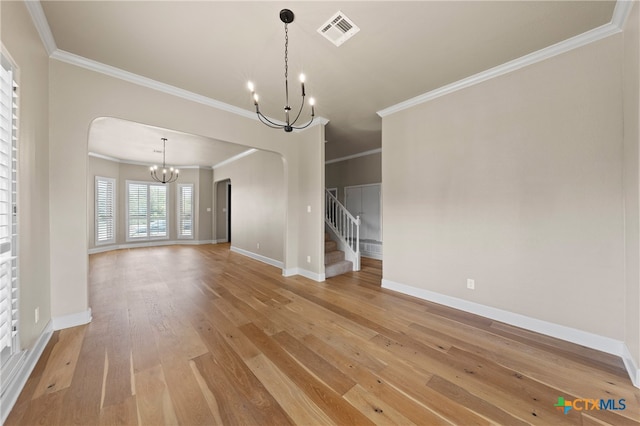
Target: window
(185, 210)
(8, 216)
(105, 210)
(146, 211)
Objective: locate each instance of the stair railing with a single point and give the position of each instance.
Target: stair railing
(344, 225)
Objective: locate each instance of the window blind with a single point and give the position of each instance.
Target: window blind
(8, 211)
(185, 210)
(146, 211)
(105, 210)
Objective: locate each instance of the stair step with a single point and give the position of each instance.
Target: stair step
(333, 257)
(338, 268)
(330, 246)
(327, 237)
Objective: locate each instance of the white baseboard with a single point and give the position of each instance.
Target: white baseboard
(221, 240)
(305, 273)
(258, 257)
(631, 366)
(154, 243)
(25, 365)
(72, 320)
(580, 337)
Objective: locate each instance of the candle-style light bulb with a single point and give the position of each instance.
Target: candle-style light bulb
(250, 86)
(255, 99)
(312, 102)
(302, 79)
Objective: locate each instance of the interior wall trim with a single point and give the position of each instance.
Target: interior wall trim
(569, 334)
(153, 243)
(350, 157)
(258, 257)
(26, 364)
(305, 273)
(71, 320)
(620, 15)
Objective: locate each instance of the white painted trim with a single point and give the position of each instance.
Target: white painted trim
(258, 257)
(573, 335)
(350, 157)
(130, 77)
(26, 364)
(631, 366)
(72, 320)
(235, 158)
(290, 272)
(621, 13)
(221, 240)
(153, 243)
(508, 67)
(42, 25)
(139, 163)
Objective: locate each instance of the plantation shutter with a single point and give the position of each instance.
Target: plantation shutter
(146, 211)
(158, 210)
(185, 211)
(137, 217)
(8, 211)
(105, 210)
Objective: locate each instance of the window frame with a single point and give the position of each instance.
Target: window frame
(113, 183)
(148, 236)
(10, 354)
(179, 214)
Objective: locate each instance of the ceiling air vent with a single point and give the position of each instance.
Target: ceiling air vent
(338, 29)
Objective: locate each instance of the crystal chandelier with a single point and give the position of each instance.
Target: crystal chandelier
(286, 16)
(166, 176)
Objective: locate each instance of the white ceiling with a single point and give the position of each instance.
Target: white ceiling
(403, 49)
(124, 140)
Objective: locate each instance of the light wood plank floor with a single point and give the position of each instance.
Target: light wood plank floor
(199, 335)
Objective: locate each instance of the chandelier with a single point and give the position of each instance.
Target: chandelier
(166, 176)
(286, 16)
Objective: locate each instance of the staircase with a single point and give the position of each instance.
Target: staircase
(334, 259)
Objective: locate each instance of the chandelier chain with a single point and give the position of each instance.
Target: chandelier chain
(286, 52)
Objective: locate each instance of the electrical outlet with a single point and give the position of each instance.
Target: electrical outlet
(471, 284)
(37, 314)
(258, 245)
(308, 259)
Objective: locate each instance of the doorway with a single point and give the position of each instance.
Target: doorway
(223, 211)
(228, 211)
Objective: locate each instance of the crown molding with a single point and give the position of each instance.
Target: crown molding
(234, 158)
(130, 77)
(42, 26)
(350, 157)
(137, 163)
(620, 14)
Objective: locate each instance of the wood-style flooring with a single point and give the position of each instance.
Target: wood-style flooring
(200, 335)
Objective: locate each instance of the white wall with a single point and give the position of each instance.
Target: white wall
(517, 183)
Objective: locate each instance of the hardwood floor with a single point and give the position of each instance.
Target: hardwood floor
(200, 335)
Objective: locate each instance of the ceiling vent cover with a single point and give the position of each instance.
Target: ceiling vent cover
(338, 29)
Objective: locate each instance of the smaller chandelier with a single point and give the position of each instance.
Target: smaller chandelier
(166, 175)
(286, 16)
